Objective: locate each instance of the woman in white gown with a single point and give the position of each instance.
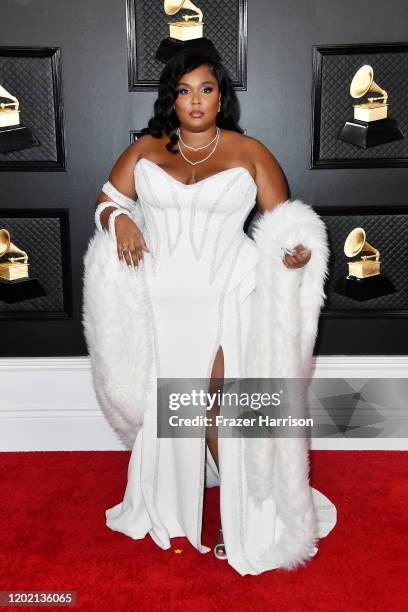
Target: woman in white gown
(200, 274)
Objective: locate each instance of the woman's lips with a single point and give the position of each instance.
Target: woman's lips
(196, 114)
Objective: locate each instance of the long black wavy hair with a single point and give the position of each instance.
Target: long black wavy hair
(165, 117)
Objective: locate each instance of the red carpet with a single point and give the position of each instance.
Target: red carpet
(53, 537)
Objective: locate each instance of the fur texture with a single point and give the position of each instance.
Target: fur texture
(119, 334)
(284, 328)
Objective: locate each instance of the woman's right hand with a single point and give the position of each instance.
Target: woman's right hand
(128, 234)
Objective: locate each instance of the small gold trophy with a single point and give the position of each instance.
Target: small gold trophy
(15, 284)
(371, 125)
(13, 135)
(367, 265)
(364, 280)
(13, 268)
(185, 33)
(186, 29)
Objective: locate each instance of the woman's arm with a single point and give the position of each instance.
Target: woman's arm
(271, 182)
(122, 177)
(272, 190)
(129, 238)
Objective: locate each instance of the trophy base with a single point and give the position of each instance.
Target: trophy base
(170, 46)
(20, 290)
(15, 138)
(362, 289)
(366, 134)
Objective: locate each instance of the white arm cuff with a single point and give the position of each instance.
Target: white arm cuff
(118, 197)
(112, 217)
(98, 211)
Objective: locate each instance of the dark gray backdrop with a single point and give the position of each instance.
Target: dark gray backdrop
(276, 109)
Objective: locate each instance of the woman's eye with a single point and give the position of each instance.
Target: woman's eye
(205, 89)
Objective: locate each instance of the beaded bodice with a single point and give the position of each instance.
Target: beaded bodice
(198, 225)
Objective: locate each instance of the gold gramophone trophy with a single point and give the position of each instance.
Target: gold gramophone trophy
(187, 32)
(185, 29)
(15, 284)
(371, 125)
(13, 268)
(13, 135)
(364, 280)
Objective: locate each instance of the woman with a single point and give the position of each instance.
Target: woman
(197, 178)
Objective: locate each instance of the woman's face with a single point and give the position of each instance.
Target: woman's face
(198, 99)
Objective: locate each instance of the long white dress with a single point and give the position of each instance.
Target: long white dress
(200, 275)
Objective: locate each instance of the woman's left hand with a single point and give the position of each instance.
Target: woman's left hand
(299, 258)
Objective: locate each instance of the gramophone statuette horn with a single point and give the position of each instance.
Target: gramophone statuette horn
(363, 83)
(364, 280)
(186, 29)
(365, 266)
(370, 125)
(13, 268)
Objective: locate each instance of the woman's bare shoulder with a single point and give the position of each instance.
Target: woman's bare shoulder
(258, 150)
(122, 173)
(255, 152)
(262, 157)
(129, 157)
(269, 176)
(142, 144)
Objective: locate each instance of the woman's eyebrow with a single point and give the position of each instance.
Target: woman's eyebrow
(203, 83)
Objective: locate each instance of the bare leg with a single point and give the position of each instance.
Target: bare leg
(216, 384)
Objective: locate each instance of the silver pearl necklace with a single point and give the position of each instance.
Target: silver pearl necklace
(217, 138)
(197, 148)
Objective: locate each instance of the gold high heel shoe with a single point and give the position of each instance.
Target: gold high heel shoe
(218, 550)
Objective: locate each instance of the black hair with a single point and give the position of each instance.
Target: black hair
(165, 117)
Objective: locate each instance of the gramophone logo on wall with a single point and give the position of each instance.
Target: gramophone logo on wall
(31, 109)
(187, 29)
(15, 282)
(360, 106)
(371, 126)
(364, 280)
(13, 135)
(152, 39)
(35, 264)
(367, 271)
(184, 34)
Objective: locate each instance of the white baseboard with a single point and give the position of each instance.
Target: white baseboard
(48, 403)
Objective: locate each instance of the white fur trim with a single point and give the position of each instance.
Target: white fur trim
(283, 333)
(118, 331)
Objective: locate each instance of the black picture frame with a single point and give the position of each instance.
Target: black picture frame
(134, 135)
(146, 26)
(331, 101)
(394, 237)
(47, 125)
(51, 238)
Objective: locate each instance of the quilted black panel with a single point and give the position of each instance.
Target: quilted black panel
(31, 80)
(391, 73)
(224, 24)
(386, 232)
(40, 238)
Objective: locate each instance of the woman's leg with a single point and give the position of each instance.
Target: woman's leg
(216, 385)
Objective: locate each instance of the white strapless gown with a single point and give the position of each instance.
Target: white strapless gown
(200, 275)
